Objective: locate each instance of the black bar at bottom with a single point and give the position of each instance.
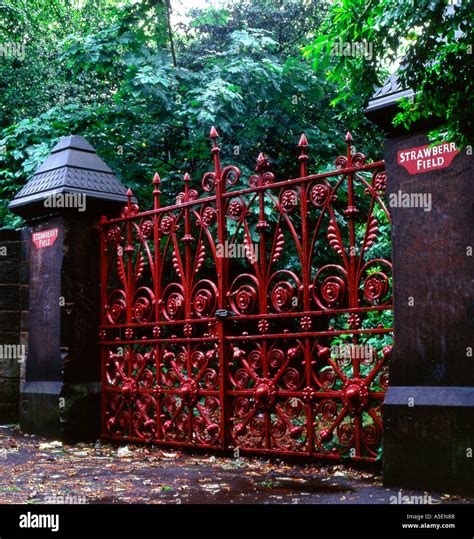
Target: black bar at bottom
(292, 521)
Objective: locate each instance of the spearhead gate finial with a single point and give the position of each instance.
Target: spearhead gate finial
(262, 163)
(303, 158)
(156, 190)
(303, 143)
(349, 148)
(214, 135)
(129, 196)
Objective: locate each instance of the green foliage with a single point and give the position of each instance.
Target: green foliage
(432, 40)
(106, 70)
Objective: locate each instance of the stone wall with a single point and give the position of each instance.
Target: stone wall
(13, 319)
(429, 406)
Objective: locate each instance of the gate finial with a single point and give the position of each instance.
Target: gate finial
(262, 163)
(303, 158)
(303, 143)
(156, 190)
(215, 152)
(349, 148)
(129, 196)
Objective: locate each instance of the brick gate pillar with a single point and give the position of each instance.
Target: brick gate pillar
(429, 406)
(61, 204)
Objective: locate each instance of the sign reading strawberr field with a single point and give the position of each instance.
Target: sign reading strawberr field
(45, 238)
(427, 158)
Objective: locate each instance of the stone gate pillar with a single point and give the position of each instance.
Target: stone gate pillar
(429, 406)
(61, 205)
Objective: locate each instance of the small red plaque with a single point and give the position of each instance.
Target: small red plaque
(427, 158)
(45, 238)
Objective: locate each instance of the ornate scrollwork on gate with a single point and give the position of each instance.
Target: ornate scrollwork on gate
(255, 316)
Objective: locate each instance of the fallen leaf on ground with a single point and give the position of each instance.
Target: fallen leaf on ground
(49, 445)
(123, 452)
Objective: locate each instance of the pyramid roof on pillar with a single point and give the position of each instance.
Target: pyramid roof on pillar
(389, 94)
(72, 167)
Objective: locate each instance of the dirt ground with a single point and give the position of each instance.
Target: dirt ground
(34, 470)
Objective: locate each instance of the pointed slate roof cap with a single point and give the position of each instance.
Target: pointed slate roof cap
(388, 95)
(384, 104)
(72, 167)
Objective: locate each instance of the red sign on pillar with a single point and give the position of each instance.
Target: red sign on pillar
(427, 158)
(45, 238)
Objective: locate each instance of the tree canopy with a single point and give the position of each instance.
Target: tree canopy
(110, 72)
(145, 89)
(430, 40)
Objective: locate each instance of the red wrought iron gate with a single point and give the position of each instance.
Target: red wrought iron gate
(251, 316)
